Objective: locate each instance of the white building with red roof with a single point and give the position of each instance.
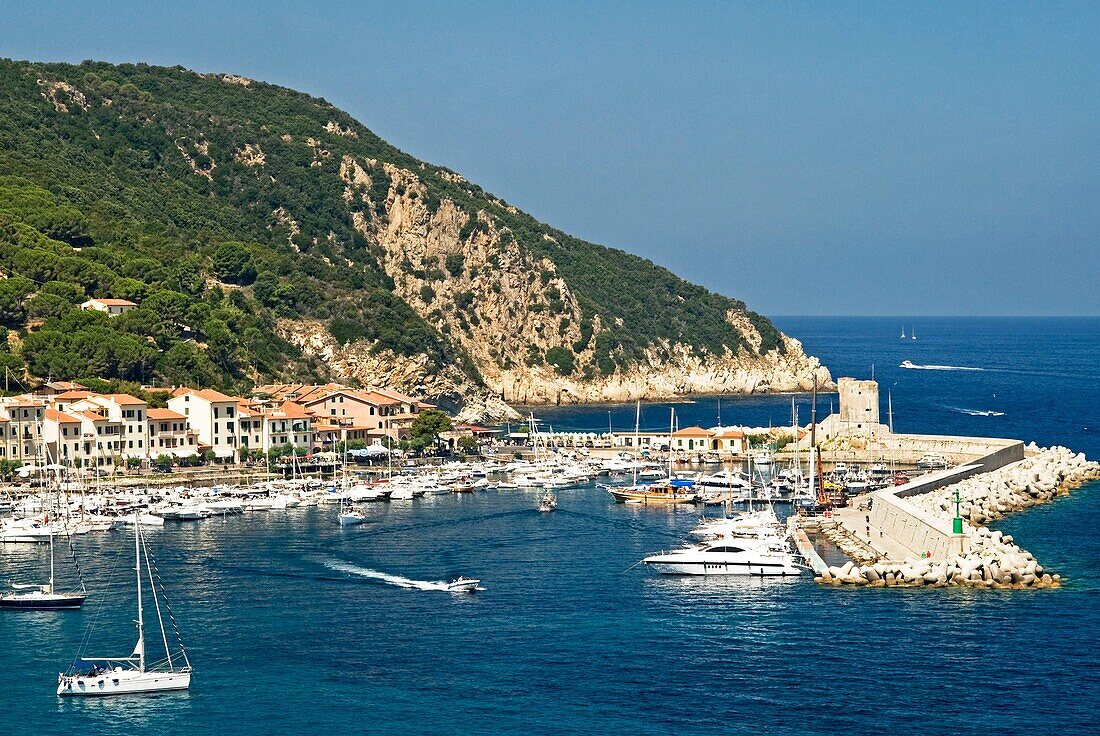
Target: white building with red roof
(169, 434)
(110, 307)
(213, 416)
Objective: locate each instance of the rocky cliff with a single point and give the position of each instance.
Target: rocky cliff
(269, 235)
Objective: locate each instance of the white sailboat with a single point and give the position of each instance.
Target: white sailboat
(903, 332)
(100, 676)
(42, 597)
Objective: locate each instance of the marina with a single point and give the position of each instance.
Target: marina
(478, 526)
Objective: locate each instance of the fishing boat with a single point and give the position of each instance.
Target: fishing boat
(548, 502)
(42, 597)
(101, 676)
(463, 585)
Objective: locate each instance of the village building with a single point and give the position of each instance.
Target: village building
(101, 438)
(53, 388)
(691, 439)
(389, 411)
(266, 427)
(130, 413)
(213, 416)
(169, 434)
(63, 438)
(110, 307)
(21, 418)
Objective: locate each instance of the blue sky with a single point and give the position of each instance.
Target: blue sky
(809, 158)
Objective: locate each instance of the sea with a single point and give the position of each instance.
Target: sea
(296, 625)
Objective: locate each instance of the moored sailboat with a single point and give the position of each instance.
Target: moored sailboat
(42, 597)
(100, 676)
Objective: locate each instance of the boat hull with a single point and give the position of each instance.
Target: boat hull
(650, 497)
(746, 569)
(54, 602)
(122, 682)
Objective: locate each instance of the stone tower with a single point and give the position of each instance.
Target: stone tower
(858, 403)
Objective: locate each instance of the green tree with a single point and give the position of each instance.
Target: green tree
(427, 426)
(233, 264)
(562, 360)
(264, 287)
(12, 293)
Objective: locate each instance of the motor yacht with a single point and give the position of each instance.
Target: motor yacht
(740, 556)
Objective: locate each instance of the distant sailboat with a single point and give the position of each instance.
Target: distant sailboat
(903, 332)
(99, 676)
(914, 335)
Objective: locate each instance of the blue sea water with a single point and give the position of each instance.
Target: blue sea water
(291, 629)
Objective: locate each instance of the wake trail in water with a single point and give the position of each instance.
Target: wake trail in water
(383, 577)
(977, 412)
(915, 367)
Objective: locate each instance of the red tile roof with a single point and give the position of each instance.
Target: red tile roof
(161, 414)
(692, 432)
(113, 302)
(124, 399)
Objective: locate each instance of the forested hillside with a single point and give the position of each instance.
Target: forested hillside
(240, 215)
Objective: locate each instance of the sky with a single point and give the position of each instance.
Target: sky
(808, 158)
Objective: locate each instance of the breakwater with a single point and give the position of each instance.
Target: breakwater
(976, 556)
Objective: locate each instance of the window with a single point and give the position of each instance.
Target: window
(215, 412)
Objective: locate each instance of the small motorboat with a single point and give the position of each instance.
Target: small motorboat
(548, 502)
(463, 585)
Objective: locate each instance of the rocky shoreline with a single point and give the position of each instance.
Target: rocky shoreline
(993, 559)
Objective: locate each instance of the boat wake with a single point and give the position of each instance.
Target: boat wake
(915, 367)
(386, 578)
(978, 412)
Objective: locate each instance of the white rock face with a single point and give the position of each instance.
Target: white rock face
(414, 375)
(507, 307)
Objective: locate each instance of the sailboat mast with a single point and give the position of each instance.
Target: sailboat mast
(813, 443)
(137, 568)
(671, 431)
(51, 556)
(637, 420)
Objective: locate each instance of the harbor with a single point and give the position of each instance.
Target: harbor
(261, 560)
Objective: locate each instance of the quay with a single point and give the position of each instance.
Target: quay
(930, 532)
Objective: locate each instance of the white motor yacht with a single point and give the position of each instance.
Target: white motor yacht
(739, 556)
(746, 523)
